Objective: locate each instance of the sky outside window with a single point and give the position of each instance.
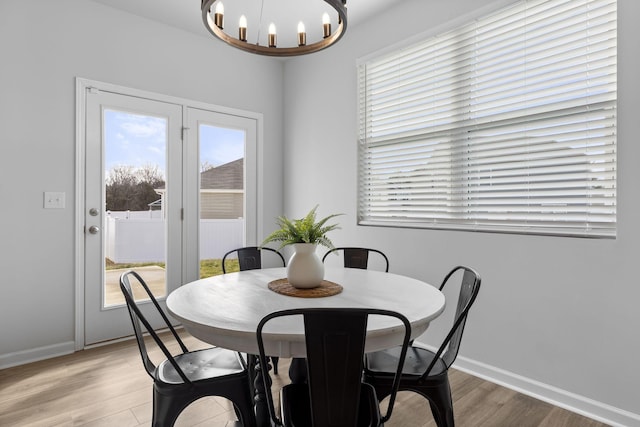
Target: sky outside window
(138, 140)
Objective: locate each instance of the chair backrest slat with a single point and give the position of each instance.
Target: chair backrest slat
(250, 257)
(355, 257)
(469, 288)
(138, 318)
(335, 346)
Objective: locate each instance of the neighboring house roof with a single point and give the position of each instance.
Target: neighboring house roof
(229, 176)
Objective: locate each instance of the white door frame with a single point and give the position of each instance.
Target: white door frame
(82, 86)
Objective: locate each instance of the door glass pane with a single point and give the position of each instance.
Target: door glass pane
(135, 149)
(221, 195)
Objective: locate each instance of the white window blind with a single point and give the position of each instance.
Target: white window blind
(505, 124)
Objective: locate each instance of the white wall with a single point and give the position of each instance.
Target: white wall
(555, 316)
(44, 46)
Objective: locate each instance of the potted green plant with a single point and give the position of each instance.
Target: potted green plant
(305, 269)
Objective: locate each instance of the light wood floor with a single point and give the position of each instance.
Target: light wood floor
(107, 386)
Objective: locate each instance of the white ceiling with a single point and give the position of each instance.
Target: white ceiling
(186, 14)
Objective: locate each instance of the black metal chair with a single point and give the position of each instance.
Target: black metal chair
(357, 257)
(425, 372)
(250, 258)
(181, 379)
(333, 394)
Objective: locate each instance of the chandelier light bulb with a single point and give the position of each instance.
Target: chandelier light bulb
(218, 16)
(326, 25)
(302, 36)
(242, 28)
(272, 35)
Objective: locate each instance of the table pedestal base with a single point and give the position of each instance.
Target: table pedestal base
(263, 418)
(298, 370)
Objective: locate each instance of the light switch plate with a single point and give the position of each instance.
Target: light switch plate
(53, 200)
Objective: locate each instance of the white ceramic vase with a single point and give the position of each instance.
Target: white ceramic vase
(305, 269)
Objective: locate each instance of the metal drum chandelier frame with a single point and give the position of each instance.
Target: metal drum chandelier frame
(213, 18)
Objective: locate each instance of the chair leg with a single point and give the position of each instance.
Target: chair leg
(382, 387)
(242, 406)
(166, 409)
(274, 362)
(441, 404)
(437, 394)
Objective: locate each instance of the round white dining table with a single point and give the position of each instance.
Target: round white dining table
(225, 310)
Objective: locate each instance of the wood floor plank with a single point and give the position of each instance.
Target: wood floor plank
(559, 417)
(121, 419)
(479, 403)
(519, 410)
(107, 386)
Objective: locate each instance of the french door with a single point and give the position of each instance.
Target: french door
(151, 197)
(223, 187)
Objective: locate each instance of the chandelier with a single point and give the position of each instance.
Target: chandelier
(243, 24)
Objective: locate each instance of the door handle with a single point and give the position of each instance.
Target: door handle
(94, 229)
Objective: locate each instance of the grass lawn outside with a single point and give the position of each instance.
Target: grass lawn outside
(208, 267)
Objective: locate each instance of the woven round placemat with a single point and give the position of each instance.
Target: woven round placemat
(326, 289)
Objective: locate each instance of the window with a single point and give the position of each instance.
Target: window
(506, 124)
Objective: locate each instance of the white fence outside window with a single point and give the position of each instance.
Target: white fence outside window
(139, 237)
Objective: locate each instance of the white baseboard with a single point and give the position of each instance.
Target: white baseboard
(9, 360)
(570, 401)
(33, 355)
